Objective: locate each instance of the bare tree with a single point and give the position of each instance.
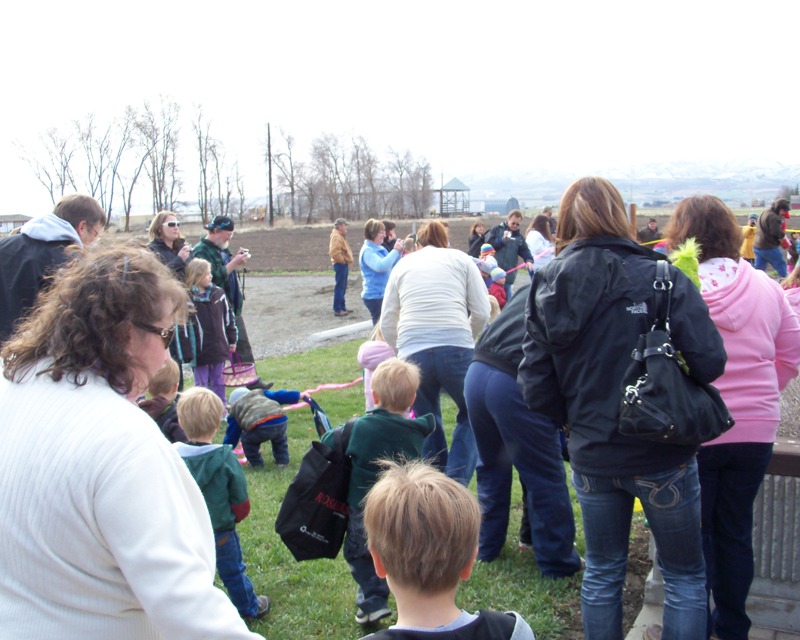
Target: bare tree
(103, 151)
(329, 163)
(55, 173)
(160, 131)
(204, 144)
(309, 186)
(239, 190)
(285, 164)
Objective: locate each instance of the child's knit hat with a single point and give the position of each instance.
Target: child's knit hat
(237, 393)
(486, 248)
(497, 274)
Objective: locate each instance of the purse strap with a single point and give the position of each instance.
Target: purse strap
(663, 298)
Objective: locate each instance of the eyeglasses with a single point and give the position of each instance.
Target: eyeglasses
(172, 224)
(513, 224)
(166, 334)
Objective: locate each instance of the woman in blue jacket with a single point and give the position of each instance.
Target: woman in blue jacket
(376, 264)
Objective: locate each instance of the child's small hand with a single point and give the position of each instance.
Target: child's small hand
(232, 347)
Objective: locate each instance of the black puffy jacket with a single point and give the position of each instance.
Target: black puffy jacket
(585, 312)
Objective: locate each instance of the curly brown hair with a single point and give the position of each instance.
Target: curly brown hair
(82, 322)
(708, 220)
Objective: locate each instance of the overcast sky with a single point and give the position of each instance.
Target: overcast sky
(487, 87)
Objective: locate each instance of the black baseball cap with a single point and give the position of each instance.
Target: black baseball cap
(223, 223)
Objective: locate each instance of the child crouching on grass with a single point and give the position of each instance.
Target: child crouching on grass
(216, 470)
(381, 433)
(422, 531)
(256, 416)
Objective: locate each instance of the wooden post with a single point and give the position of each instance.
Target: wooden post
(633, 219)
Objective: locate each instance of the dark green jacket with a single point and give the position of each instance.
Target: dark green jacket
(229, 282)
(217, 472)
(380, 434)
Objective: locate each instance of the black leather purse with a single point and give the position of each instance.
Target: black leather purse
(660, 401)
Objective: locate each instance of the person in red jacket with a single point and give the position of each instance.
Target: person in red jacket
(497, 288)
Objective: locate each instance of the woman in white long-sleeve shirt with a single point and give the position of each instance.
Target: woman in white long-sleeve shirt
(434, 306)
(540, 242)
(105, 532)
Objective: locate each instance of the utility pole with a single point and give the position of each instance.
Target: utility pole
(269, 177)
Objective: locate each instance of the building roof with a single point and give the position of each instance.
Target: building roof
(455, 185)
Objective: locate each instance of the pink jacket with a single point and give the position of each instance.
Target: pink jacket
(762, 338)
(370, 355)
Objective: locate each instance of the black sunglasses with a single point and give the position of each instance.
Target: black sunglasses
(166, 334)
(172, 223)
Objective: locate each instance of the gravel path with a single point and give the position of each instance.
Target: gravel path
(283, 312)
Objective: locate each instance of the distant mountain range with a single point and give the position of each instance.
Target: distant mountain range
(734, 182)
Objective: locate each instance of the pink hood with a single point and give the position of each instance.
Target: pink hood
(372, 353)
(762, 339)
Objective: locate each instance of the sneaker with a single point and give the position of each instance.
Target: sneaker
(363, 617)
(259, 384)
(263, 608)
(525, 546)
(652, 632)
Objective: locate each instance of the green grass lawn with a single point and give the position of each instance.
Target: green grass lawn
(316, 599)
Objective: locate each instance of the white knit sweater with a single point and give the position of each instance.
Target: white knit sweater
(434, 297)
(104, 532)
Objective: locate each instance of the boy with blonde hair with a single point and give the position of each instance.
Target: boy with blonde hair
(381, 433)
(422, 530)
(162, 404)
(224, 487)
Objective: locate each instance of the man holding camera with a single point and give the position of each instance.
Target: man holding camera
(224, 274)
(509, 245)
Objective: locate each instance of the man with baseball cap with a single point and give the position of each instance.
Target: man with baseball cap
(342, 258)
(224, 274)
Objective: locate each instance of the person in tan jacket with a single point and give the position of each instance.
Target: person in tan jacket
(342, 257)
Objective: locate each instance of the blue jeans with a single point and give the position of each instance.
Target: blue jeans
(507, 432)
(671, 501)
(230, 567)
(774, 257)
(251, 444)
(340, 271)
(444, 368)
(374, 306)
(730, 477)
(373, 592)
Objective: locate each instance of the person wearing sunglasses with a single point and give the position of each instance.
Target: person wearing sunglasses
(102, 521)
(168, 244)
(510, 245)
(27, 258)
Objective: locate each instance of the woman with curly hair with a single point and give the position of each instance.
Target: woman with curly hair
(105, 532)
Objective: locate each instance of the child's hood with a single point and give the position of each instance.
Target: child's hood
(204, 461)
(373, 352)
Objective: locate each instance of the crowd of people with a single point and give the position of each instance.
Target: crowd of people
(119, 531)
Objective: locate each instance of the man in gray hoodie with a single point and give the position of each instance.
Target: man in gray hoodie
(27, 258)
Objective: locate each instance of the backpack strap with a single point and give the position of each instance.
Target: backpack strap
(341, 437)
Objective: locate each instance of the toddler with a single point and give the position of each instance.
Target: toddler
(380, 433)
(224, 487)
(212, 329)
(161, 406)
(497, 288)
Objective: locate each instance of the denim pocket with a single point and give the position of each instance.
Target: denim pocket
(662, 490)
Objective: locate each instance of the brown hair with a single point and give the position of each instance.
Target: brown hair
(475, 225)
(591, 207)
(541, 223)
(76, 208)
(433, 234)
(709, 221)
(196, 269)
(199, 412)
(422, 524)
(157, 225)
(781, 204)
(372, 228)
(165, 379)
(82, 322)
(395, 382)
